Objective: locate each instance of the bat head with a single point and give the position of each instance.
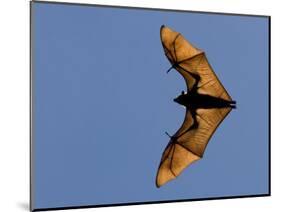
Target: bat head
(181, 98)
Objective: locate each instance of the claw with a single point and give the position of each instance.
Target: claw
(168, 134)
(170, 69)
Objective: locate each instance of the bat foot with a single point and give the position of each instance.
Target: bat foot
(233, 104)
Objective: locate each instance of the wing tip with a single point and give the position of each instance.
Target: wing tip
(159, 181)
(162, 28)
(160, 184)
(166, 174)
(157, 185)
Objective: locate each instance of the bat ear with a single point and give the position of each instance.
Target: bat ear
(182, 92)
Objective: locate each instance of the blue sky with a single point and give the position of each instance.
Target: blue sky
(102, 102)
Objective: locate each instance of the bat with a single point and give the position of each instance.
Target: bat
(206, 101)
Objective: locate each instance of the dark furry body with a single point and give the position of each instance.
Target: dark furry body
(194, 100)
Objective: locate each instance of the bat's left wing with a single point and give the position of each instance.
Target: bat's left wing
(187, 146)
(176, 157)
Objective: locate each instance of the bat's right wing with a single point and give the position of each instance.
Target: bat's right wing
(176, 49)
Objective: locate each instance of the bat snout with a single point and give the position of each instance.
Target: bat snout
(176, 100)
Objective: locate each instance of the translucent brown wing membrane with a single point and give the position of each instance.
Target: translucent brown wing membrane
(176, 157)
(208, 120)
(177, 49)
(209, 83)
(190, 144)
(174, 160)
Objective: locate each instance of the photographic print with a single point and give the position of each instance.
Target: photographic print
(137, 105)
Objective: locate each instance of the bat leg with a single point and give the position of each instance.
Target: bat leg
(197, 79)
(195, 122)
(195, 76)
(232, 104)
(194, 125)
